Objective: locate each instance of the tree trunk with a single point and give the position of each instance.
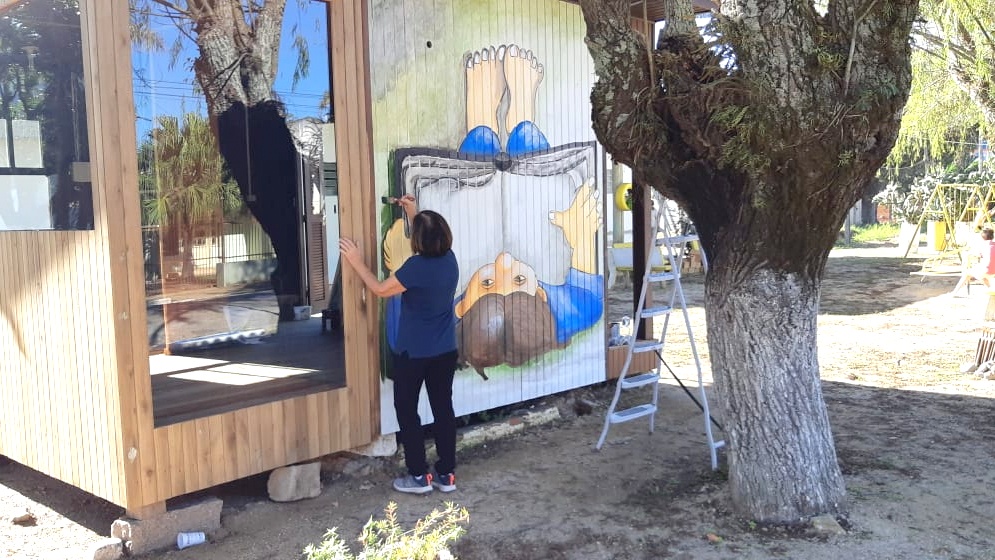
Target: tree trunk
(762, 344)
(766, 155)
(236, 69)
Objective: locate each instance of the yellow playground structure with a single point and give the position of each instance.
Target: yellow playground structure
(953, 214)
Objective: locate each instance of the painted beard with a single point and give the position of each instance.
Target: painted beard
(510, 329)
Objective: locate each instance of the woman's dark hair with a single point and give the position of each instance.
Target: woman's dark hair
(987, 234)
(430, 234)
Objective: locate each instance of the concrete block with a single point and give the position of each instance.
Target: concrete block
(492, 431)
(383, 446)
(106, 549)
(488, 432)
(296, 482)
(539, 417)
(159, 532)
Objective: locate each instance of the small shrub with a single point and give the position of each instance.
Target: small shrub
(384, 539)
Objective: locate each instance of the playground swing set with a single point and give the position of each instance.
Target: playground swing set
(952, 214)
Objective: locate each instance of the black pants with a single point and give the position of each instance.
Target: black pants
(437, 374)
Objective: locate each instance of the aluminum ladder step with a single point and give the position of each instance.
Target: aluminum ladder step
(640, 380)
(646, 346)
(655, 311)
(661, 276)
(675, 241)
(633, 413)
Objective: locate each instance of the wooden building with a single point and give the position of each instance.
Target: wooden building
(81, 399)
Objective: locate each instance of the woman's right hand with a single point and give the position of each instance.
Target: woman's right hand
(409, 205)
(350, 251)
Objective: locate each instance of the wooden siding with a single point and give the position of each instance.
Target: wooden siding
(359, 205)
(61, 321)
(201, 453)
(209, 451)
(74, 375)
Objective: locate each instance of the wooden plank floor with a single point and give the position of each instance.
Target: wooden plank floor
(297, 360)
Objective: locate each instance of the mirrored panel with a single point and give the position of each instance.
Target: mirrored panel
(44, 153)
(239, 204)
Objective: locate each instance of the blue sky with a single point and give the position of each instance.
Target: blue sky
(161, 90)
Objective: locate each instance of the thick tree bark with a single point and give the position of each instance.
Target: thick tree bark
(762, 343)
(767, 139)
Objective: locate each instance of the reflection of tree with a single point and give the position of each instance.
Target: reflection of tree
(41, 68)
(189, 178)
(238, 44)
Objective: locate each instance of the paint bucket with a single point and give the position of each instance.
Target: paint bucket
(615, 334)
(302, 312)
(184, 540)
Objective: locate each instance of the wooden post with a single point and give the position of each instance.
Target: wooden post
(986, 342)
(642, 210)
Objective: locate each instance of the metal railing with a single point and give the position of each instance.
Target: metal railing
(236, 242)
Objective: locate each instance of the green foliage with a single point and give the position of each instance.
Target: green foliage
(744, 129)
(187, 173)
(385, 539)
(953, 85)
(939, 115)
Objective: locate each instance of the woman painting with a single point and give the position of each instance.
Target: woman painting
(425, 348)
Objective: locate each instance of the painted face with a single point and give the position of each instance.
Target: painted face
(506, 275)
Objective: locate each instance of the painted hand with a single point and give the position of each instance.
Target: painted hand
(583, 219)
(580, 224)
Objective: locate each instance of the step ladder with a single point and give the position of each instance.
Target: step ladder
(674, 245)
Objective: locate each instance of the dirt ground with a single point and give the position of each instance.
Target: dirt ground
(914, 436)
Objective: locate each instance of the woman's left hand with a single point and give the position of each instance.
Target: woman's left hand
(350, 251)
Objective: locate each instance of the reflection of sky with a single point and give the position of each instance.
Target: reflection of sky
(162, 90)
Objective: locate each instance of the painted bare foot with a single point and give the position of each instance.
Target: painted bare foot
(485, 87)
(523, 74)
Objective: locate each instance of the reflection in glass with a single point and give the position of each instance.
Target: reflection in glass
(44, 153)
(232, 179)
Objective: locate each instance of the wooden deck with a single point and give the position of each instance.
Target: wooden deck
(297, 360)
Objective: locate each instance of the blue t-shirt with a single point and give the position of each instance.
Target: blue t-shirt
(427, 323)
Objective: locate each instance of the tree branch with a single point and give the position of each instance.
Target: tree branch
(981, 26)
(679, 16)
(853, 46)
(266, 33)
(238, 19)
(171, 6)
(624, 76)
(942, 43)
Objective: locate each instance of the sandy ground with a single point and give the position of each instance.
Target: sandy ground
(914, 436)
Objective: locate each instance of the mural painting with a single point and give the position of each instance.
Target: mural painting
(526, 221)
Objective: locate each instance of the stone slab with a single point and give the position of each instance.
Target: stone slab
(159, 532)
(296, 482)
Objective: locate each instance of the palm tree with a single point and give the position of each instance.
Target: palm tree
(189, 176)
